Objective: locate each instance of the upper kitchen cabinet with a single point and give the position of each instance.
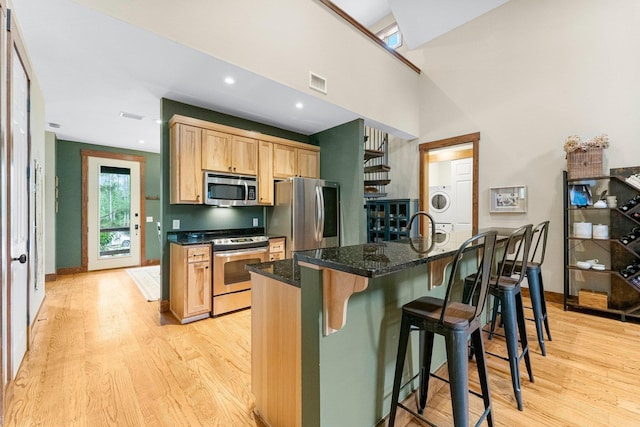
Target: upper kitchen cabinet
(265, 173)
(223, 152)
(185, 152)
(291, 161)
(198, 146)
(308, 163)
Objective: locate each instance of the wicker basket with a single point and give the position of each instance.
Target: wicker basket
(585, 164)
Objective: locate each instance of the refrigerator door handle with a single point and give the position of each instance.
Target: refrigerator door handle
(322, 213)
(319, 219)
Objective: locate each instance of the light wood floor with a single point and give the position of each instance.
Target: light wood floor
(102, 356)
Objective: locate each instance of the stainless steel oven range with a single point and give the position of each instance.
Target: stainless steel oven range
(231, 282)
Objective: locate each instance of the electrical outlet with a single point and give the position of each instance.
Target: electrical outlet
(255, 222)
(176, 224)
(149, 219)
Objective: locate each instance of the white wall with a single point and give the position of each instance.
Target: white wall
(37, 252)
(526, 76)
(283, 40)
(50, 203)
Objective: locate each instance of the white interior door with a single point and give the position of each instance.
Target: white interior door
(462, 193)
(19, 208)
(113, 222)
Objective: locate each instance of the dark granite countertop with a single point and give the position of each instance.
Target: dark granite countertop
(286, 270)
(199, 237)
(370, 259)
(379, 259)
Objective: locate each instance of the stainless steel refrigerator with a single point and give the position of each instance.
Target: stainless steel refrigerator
(307, 213)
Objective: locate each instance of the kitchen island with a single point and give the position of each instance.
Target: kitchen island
(325, 329)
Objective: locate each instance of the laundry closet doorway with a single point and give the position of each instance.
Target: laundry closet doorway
(449, 182)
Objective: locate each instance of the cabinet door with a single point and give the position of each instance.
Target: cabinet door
(216, 151)
(185, 158)
(284, 161)
(198, 295)
(244, 155)
(308, 163)
(265, 173)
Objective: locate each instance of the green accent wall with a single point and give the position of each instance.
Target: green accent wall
(201, 217)
(342, 160)
(347, 377)
(69, 216)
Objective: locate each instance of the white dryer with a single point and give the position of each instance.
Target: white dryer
(443, 235)
(440, 203)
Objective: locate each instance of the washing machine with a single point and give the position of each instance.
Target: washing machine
(440, 203)
(443, 234)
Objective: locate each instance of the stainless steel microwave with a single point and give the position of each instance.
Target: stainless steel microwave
(230, 190)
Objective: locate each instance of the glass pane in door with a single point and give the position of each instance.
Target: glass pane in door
(115, 211)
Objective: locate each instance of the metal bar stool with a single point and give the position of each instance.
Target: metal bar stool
(505, 287)
(456, 321)
(536, 288)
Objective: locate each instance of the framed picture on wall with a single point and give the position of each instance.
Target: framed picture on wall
(508, 199)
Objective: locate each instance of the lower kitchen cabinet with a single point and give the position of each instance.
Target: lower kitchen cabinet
(276, 249)
(190, 282)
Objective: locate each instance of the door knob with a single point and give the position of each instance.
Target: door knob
(22, 258)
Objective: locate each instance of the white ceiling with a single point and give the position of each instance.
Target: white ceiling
(91, 67)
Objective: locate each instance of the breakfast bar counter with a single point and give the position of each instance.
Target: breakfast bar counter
(325, 329)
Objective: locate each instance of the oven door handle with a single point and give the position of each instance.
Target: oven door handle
(224, 254)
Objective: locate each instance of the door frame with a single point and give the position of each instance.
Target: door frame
(424, 148)
(85, 200)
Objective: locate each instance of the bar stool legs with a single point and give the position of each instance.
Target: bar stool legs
(514, 324)
(456, 342)
(538, 304)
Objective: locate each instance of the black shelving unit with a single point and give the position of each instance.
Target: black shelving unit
(623, 294)
(387, 219)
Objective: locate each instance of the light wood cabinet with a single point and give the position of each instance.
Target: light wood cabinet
(222, 152)
(276, 249)
(284, 161)
(197, 146)
(186, 182)
(291, 161)
(190, 282)
(308, 163)
(265, 173)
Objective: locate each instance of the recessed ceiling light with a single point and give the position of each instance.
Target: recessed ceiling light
(299, 105)
(229, 80)
(141, 141)
(131, 115)
(158, 121)
(54, 125)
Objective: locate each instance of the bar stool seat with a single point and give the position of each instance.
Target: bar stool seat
(457, 322)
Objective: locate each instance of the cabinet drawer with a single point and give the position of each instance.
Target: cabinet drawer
(198, 253)
(276, 247)
(276, 256)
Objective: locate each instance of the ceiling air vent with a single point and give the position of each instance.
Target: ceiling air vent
(131, 115)
(317, 83)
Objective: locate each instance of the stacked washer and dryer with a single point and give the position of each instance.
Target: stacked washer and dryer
(441, 211)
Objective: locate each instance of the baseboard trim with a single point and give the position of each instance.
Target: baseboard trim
(150, 262)
(71, 270)
(51, 277)
(548, 296)
(164, 306)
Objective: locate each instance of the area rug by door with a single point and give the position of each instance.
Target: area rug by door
(148, 281)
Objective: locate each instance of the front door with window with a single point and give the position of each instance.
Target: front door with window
(113, 211)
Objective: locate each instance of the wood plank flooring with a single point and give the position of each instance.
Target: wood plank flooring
(103, 356)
